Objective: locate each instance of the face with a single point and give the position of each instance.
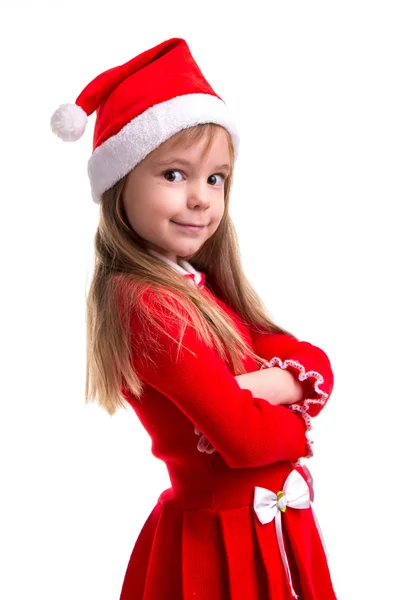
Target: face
(177, 185)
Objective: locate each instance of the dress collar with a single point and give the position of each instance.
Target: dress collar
(184, 267)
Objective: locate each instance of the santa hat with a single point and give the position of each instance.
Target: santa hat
(139, 105)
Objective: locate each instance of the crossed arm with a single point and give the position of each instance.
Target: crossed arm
(295, 373)
(246, 430)
(303, 379)
(276, 385)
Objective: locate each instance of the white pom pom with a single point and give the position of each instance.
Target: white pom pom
(69, 122)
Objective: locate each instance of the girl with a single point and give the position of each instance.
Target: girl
(225, 394)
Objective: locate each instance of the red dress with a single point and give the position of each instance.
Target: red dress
(203, 540)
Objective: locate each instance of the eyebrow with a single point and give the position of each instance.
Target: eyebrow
(183, 161)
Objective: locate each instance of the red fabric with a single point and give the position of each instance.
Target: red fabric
(203, 539)
(122, 93)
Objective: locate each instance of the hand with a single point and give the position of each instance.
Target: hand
(203, 443)
(277, 386)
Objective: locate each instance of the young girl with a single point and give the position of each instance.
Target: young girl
(176, 332)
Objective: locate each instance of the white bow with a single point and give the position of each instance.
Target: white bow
(269, 506)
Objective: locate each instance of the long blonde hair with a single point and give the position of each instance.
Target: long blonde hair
(124, 269)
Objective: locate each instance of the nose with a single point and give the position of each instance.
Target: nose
(199, 194)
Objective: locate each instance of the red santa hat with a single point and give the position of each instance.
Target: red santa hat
(139, 105)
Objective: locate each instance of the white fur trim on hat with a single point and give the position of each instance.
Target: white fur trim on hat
(118, 155)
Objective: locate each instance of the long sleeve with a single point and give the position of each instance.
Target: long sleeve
(308, 363)
(246, 431)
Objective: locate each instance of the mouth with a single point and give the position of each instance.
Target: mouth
(189, 225)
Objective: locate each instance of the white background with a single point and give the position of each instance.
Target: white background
(314, 87)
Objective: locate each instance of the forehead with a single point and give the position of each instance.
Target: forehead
(201, 146)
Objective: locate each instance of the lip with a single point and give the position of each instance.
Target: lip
(190, 227)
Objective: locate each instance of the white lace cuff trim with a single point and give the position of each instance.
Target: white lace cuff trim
(302, 407)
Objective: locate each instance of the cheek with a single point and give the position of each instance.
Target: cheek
(139, 203)
(137, 213)
(166, 205)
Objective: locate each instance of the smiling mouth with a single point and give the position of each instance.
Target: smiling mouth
(189, 225)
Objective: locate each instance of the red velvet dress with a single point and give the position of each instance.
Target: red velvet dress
(203, 540)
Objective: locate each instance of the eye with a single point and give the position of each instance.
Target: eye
(222, 177)
(171, 172)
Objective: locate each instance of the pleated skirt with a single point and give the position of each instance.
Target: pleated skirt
(213, 554)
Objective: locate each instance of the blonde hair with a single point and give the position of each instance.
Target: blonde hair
(123, 269)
